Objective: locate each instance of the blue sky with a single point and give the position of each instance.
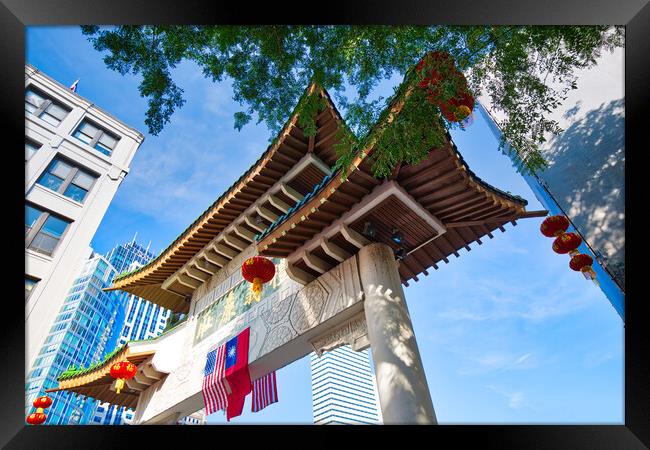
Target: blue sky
(507, 332)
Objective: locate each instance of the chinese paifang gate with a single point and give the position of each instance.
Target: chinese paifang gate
(338, 282)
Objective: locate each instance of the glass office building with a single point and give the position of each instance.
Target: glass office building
(142, 319)
(137, 319)
(82, 333)
(90, 324)
(343, 388)
(123, 256)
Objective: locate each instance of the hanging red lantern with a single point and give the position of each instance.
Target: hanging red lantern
(437, 69)
(554, 226)
(432, 68)
(42, 402)
(463, 104)
(36, 418)
(582, 263)
(459, 108)
(567, 243)
(258, 270)
(123, 370)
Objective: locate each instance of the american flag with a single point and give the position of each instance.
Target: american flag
(265, 392)
(214, 389)
(73, 88)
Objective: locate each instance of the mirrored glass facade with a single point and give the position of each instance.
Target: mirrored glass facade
(82, 333)
(138, 319)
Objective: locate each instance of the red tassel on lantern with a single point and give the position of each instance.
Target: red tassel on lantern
(258, 270)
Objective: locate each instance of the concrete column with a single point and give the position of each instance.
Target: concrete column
(403, 391)
(170, 419)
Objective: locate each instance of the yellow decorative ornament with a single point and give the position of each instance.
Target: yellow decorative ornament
(463, 112)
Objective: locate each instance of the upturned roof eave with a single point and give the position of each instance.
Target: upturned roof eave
(123, 279)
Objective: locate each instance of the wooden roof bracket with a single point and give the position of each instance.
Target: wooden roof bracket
(371, 200)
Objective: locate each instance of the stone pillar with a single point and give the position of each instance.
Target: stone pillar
(403, 391)
(170, 419)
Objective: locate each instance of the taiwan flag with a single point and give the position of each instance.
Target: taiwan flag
(236, 372)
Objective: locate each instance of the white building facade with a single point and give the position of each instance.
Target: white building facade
(198, 418)
(76, 156)
(344, 390)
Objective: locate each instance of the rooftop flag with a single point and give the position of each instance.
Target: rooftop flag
(214, 389)
(73, 88)
(236, 373)
(265, 392)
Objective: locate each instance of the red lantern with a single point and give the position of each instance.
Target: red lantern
(36, 418)
(458, 109)
(582, 263)
(567, 243)
(554, 226)
(462, 106)
(42, 402)
(258, 270)
(436, 67)
(430, 66)
(123, 370)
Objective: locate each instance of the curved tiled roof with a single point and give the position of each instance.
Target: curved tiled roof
(319, 187)
(148, 277)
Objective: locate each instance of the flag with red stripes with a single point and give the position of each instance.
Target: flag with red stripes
(214, 391)
(265, 392)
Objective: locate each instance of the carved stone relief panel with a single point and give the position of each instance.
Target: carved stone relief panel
(278, 320)
(354, 332)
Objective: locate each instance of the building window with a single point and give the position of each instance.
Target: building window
(30, 283)
(43, 230)
(31, 148)
(67, 179)
(40, 105)
(96, 137)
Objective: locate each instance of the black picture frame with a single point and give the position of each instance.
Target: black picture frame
(635, 14)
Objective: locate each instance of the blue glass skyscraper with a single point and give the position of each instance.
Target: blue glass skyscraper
(90, 324)
(82, 334)
(124, 255)
(136, 319)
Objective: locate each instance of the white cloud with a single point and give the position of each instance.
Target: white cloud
(497, 362)
(516, 400)
(598, 357)
(493, 299)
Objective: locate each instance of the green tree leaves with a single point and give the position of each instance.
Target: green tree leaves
(526, 71)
